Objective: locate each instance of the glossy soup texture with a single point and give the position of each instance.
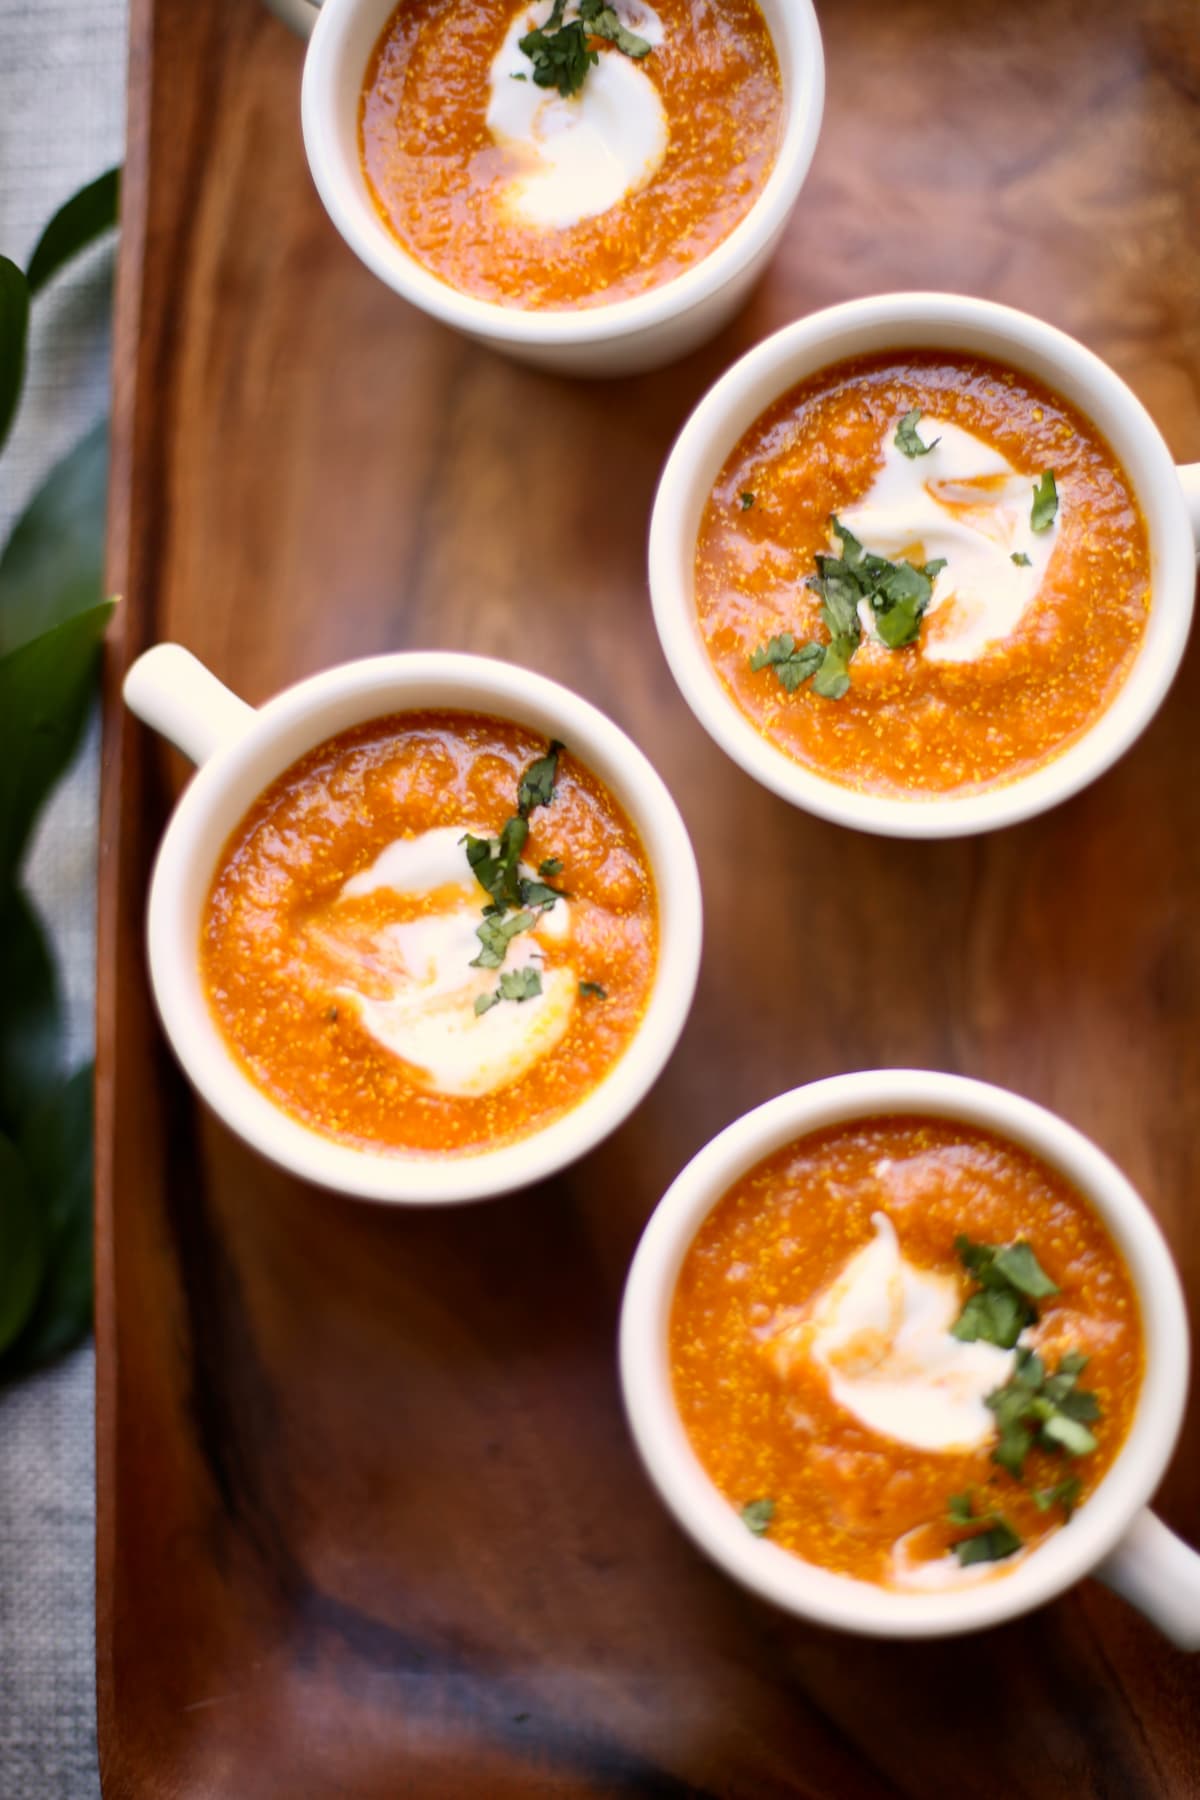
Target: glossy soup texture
(767, 1427)
(277, 929)
(911, 726)
(439, 175)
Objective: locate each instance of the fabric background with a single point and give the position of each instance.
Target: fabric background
(62, 72)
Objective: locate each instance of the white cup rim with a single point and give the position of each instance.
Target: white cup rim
(272, 738)
(350, 208)
(901, 321)
(775, 1574)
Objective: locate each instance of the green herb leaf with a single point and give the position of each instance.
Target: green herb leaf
(560, 54)
(22, 1243)
(536, 893)
(1022, 561)
(14, 326)
(594, 989)
(603, 22)
(992, 1545)
(45, 691)
(993, 1316)
(520, 984)
(1074, 1438)
(747, 500)
(832, 679)
(1022, 1270)
(906, 438)
(496, 862)
(31, 1025)
(1065, 1494)
(960, 1508)
(82, 219)
(551, 866)
(484, 1003)
(899, 604)
(52, 566)
(756, 1515)
(790, 664)
(496, 933)
(1045, 503)
(537, 783)
(56, 1146)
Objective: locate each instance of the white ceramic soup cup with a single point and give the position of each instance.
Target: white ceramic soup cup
(1112, 1536)
(240, 751)
(620, 339)
(1169, 497)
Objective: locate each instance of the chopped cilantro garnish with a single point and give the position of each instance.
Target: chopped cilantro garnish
(1010, 1280)
(992, 1545)
(520, 984)
(1022, 561)
(906, 438)
(747, 500)
(896, 593)
(1048, 1410)
(551, 866)
(562, 54)
(756, 1515)
(495, 935)
(1045, 503)
(515, 901)
(537, 783)
(1064, 1493)
(594, 989)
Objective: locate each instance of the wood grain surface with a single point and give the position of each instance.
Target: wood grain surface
(370, 1523)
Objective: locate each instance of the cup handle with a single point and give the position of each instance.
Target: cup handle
(1159, 1574)
(171, 691)
(301, 15)
(1189, 481)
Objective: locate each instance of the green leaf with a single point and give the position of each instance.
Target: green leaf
(45, 689)
(899, 604)
(791, 665)
(747, 500)
(495, 935)
(537, 783)
(14, 326)
(57, 1149)
(960, 1508)
(559, 53)
(551, 866)
(520, 984)
(993, 1545)
(1022, 561)
(495, 862)
(1074, 1438)
(52, 565)
(603, 22)
(756, 1515)
(906, 438)
(1022, 1270)
(832, 679)
(593, 989)
(82, 219)
(1065, 1494)
(31, 1027)
(1045, 503)
(992, 1316)
(536, 893)
(484, 1003)
(22, 1243)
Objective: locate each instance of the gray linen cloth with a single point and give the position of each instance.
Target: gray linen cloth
(62, 74)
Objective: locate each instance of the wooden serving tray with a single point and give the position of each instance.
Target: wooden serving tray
(370, 1523)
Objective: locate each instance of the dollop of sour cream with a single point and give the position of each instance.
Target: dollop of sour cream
(576, 157)
(415, 990)
(881, 1334)
(965, 502)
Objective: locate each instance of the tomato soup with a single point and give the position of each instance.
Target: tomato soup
(922, 574)
(905, 1350)
(434, 933)
(624, 170)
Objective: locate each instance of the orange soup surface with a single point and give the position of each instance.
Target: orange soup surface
(342, 950)
(518, 195)
(1036, 615)
(799, 1347)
